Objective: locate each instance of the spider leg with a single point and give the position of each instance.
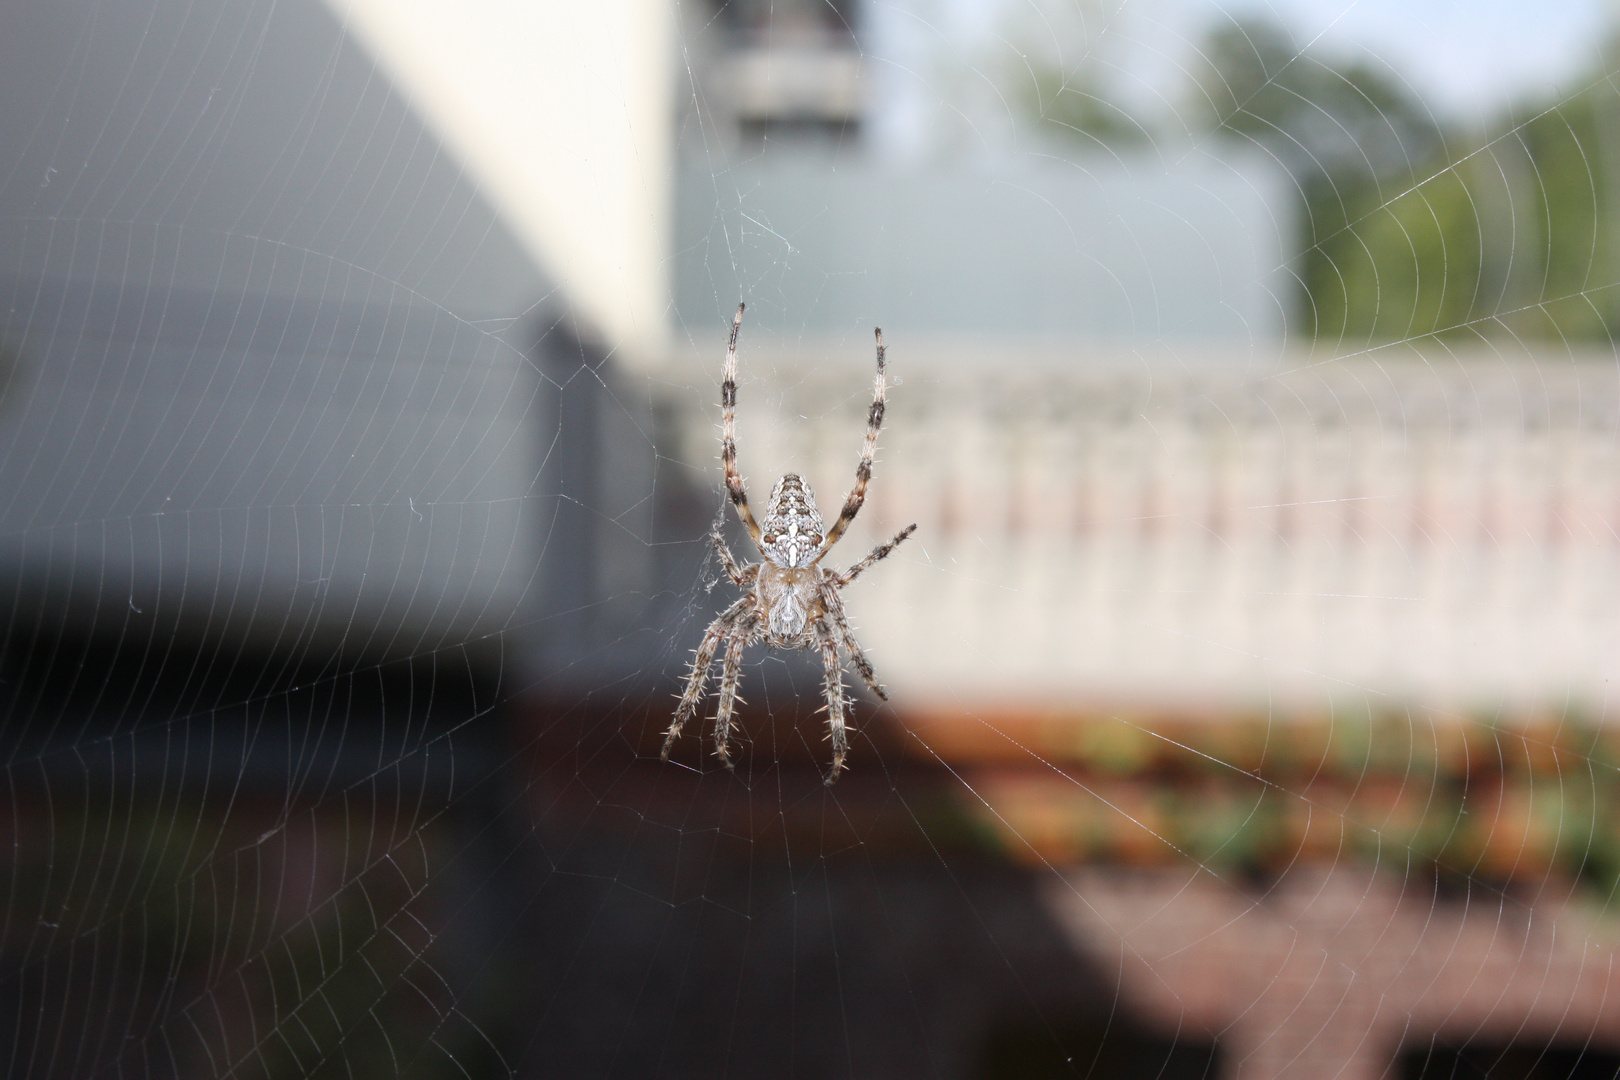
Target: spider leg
(834, 606)
(878, 553)
(863, 469)
(832, 687)
(738, 576)
(728, 434)
(699, 675)
(731, 676)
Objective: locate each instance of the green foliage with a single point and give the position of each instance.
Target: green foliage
(1321, 121)
(1514, 237)
(1407, 791)
(1408, 230)
(1572, 203)
(1408, 227)
(1393, 268)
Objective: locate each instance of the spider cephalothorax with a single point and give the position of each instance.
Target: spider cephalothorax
(792, 601)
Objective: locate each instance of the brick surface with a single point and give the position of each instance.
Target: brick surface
(1328, 973)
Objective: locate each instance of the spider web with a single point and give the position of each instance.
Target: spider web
(1252, 387)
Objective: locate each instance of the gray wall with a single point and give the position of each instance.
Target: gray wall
(1189, 249)
(242, 146)
(264, 378)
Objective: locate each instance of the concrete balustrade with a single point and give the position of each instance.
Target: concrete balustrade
(1195, 530)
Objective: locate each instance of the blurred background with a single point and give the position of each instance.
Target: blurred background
(1254, 391)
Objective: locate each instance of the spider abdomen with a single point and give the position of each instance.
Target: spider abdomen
(790, 599)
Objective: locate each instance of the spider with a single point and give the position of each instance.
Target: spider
(792, 601)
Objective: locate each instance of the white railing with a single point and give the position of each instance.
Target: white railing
(1197, 531)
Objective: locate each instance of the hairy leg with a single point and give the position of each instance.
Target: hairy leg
(878, 553)
(730, 678)
(834, 605)
(863, 468)
(832, 687)
(699, 675)
(728, 561)
(728, 433)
